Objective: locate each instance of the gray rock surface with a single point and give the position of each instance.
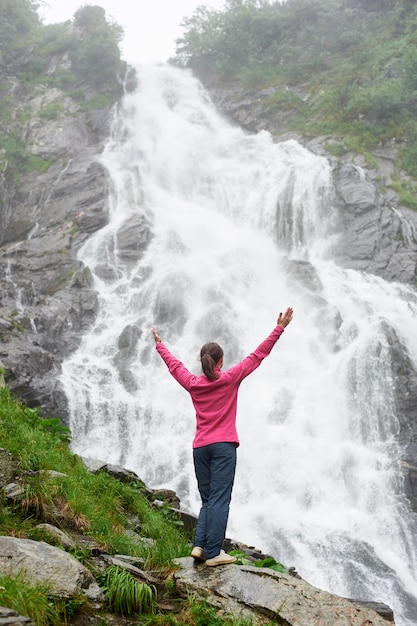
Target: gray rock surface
(8, 617)
(47, 296)
(57, 535)
(262, 595)
(48, 299)
(379, 235)
(43, 563)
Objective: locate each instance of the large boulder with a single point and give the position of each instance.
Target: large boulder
(379, 236)
(41, 563)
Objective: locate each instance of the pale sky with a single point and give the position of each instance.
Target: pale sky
(150, 26)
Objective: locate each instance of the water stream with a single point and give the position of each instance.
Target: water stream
(242, 228)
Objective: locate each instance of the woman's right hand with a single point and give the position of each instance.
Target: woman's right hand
(156, 337)
(284, 319)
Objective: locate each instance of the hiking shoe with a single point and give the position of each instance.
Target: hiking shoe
(221, 559)
(198, 554)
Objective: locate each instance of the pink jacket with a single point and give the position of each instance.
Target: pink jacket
(215, 401)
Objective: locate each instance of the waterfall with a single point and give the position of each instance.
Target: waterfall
(242, 228)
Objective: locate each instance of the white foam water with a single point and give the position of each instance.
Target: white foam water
(243, 227)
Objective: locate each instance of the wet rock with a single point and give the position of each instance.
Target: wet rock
(382, 609)
(47, 297)
(357, 193)
(133, 238)
(121, 474)
(124, 563)
(125, 355)
(167, 495)
(409, 468)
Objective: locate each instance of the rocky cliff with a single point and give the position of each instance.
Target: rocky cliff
(46, 296)
(58, 87)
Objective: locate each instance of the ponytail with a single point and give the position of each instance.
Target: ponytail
(210, 355)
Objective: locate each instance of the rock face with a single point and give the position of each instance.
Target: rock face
(48, 298)
(379, 236)
(262, 595)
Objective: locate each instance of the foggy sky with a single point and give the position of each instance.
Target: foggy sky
(150, 26)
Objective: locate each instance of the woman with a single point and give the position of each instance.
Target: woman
(214, 395)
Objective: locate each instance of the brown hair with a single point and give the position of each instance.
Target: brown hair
(210, 355)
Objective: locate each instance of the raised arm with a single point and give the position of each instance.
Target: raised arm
(175, 367)
(251, 362)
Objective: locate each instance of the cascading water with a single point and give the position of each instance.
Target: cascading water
(242, 228)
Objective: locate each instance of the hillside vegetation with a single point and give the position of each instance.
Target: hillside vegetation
(81, 58)
(341, 67)
(90, 43)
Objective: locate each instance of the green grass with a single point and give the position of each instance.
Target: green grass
(34, 600)
(407, 193)
(268, 562)
(31, 600)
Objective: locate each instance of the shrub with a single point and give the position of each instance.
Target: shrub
(96, 58)
(124, 594)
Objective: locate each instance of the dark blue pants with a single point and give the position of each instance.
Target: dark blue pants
(215, 467)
